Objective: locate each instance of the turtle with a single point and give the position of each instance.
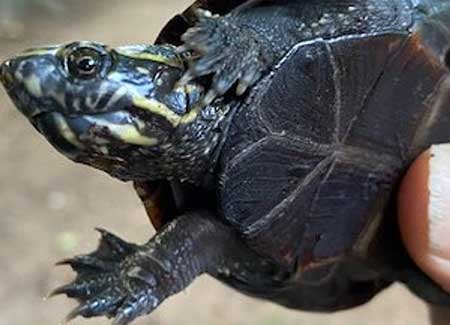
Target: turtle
(266, 138)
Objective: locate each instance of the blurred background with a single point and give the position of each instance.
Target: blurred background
(49, 205)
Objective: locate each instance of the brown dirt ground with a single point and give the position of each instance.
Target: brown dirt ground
(49, 206)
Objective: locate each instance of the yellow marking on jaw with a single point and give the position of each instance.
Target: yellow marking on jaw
(158, 108)
(136, 54)
(65, 130)
(130, 135)
(191, 116)
(126, 133)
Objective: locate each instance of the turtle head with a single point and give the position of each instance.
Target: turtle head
(117, 109)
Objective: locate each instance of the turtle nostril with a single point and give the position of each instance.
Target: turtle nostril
(5, 73)
(5, 66)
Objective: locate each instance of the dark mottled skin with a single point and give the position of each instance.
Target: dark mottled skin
(293, 199)
(162, 267)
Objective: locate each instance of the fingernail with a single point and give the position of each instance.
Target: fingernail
(439, 208)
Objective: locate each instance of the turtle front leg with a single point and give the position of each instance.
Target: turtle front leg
(232, 52)
(121, 280)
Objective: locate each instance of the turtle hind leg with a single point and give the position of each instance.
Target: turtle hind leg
(232, 53)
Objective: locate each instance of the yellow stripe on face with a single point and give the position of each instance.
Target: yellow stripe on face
(135, 53)
(38, 52)
(65, 130)
(158, 108)
(191, 116)
(129, 134)
(126, 133)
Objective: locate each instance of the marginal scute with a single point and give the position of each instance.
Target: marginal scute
(158, 202)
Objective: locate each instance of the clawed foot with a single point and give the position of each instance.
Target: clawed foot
(231, 53)
(115, 281)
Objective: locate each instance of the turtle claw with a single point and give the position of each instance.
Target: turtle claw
(112, 244)
(135, 307)
(104, 304)
(67, 289)
(77, 311)
(249, 78)
(66, 261)
(78, 263)
(84, 286)
(231, 53)
(117, 280)
(187, 77)
(209, 97)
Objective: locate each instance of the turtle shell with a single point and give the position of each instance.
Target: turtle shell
(354, 112)
(427, 37)
(311, 162)
(158, 201)
(336, 124)
(164, 201)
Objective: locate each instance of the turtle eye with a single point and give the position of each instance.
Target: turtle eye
(85, 63)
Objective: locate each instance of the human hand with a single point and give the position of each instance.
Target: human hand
(424, 218)
(424, 213)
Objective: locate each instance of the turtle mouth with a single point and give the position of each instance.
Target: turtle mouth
(100, 135)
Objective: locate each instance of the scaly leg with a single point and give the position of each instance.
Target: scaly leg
(124, 280)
